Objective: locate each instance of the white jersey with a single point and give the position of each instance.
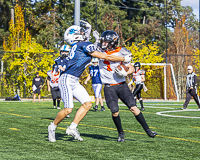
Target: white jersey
(107, 68)
(53, 78)
(137, 76)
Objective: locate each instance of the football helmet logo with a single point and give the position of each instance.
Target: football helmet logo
(74, 34)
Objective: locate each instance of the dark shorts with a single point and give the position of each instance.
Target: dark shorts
(55, 92)
(37, 91)
(122, 92)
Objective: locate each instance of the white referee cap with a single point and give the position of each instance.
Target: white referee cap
(190, 67)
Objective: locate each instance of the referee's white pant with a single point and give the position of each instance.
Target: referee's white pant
(70, 87)
(97, 90)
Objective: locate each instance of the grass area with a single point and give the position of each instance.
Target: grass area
(24, 133)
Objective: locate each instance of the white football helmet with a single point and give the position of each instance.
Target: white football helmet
(65, 48)
(95, 60)
(74, 34)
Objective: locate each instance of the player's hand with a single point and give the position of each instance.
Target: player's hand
(96, 34)
(84, 23)
(122, 73)
(61, 68)
(130, 82)
(49, 89)
(127, 58)
(40, 86)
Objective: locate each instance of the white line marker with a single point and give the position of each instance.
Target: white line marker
(167, 115)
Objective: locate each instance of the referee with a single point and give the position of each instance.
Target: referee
(191, 90)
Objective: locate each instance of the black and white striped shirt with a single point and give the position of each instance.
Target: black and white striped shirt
(191, 80)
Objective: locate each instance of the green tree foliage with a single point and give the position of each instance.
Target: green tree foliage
(23, 57)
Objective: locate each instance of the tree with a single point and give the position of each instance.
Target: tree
(26, 57)
(181, 52)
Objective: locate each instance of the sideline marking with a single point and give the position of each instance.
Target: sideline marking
(167, 115)
(15, 129)
(194, 127)
(181, 139)
(153, 107)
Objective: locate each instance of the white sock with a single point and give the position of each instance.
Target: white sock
(53, 125)
(73, 125)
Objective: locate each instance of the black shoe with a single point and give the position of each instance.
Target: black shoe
(121, 137)
(150, 133)
(142, 109)
(183, 108)
(102, 108)
(95, 108)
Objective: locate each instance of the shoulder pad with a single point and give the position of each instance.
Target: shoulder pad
(123, 52)
(57, 59)
(142, 72)
(194, 74)
(49, 72)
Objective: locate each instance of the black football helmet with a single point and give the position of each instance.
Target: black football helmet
(137, 64)
(111, 37)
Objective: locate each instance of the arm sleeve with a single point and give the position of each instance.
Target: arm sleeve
(195, 81)
(87, 33)
(33, 82)
(89, 47)
(42, 80)
(49, 78)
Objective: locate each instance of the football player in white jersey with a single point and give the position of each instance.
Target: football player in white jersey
(52, 83)
(115, 86)
(138, 79)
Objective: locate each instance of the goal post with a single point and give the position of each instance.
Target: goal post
(171, 79)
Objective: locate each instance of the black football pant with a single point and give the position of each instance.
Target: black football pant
(189, 94)
(137, 90)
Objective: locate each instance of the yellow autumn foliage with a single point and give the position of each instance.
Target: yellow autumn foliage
(145, 53)
(24, 57)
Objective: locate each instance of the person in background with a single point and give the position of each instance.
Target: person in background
(96, 83)
(36, 86)
(191, 88)
(138, 79)
(52, 83)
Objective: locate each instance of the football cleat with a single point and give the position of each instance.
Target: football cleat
(51, 134)
(102, 108)
(183, 108)
(67, 116)
(142, 109)
(58, 108)
(74, 133)
(150, 133)
(121, 137)
(95, 108)
(54, 106)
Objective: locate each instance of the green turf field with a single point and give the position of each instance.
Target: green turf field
(24, 135)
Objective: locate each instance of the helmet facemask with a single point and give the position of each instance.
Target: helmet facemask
(109, 40)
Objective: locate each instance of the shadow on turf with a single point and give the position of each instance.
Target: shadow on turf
(63, 137)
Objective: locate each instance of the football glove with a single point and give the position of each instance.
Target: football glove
(127, 58)
(86, 24)
(130, 82)
(144, 88)
(96, 34)
(122, 73)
